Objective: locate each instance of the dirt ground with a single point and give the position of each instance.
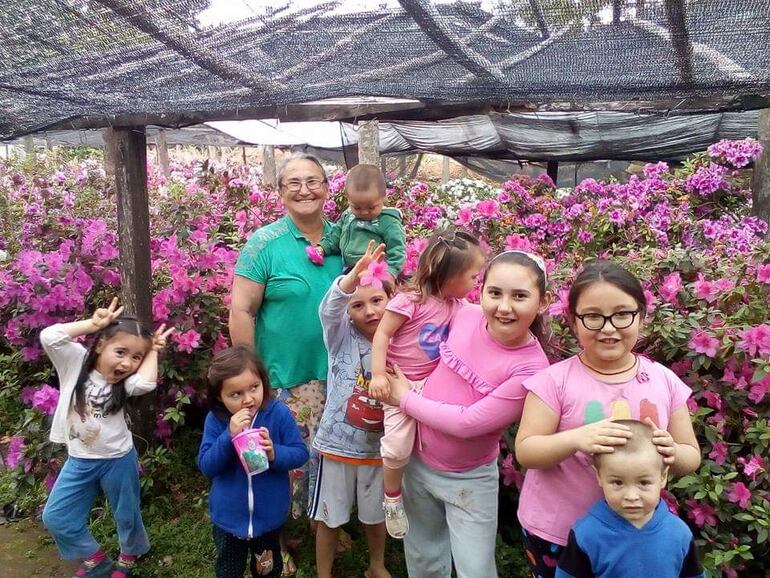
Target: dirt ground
(27, 551)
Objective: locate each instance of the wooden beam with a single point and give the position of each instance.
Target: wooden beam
(760, 184)
(369, 142)
(129, 149)
(425, 110)
(445, 171)
(161, 148)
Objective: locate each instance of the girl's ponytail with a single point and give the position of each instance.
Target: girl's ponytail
(449, 253)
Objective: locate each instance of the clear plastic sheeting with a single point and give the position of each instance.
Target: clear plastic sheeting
(68, 64)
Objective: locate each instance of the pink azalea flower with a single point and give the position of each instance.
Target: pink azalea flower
(763, 273)
(672, 284)
(510, 474)
(517, 242)
(719, 452)
(758, 391)
(488, 208)
(702, 514)
(27, 394)
(375, 274)
(45, 399)
(705, 290)
(755, 340)
(702, 342)
(560, 306)
(187, 341)
(740, 495)
(464, 216)
(671, 502)
(651, 300)
(14, 455)
(752, 467)
(713, 400)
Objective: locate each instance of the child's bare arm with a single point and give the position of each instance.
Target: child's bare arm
(540, 445)
(389, 324)
(101, 318)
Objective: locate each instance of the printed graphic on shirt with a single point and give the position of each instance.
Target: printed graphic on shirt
(430, 338)
(619, 409)
(86, 428)
(363, 412)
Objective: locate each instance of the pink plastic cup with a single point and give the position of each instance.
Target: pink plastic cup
(248, 446)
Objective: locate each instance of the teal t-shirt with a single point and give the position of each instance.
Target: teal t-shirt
(288, 330)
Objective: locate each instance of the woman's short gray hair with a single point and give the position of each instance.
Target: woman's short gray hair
(298, 157)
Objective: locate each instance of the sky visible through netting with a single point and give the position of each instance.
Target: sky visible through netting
(90, 63)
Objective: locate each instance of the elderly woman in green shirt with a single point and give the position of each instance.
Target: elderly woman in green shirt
(275, 298)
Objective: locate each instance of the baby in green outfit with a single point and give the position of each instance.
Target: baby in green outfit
(366, 218)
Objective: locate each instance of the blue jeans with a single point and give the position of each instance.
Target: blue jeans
(452, 518)
(66, 512)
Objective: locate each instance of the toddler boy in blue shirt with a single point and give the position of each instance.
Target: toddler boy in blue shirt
(630, 533)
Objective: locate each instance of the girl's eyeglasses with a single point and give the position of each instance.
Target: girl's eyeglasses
(313, 185)
(597, 321)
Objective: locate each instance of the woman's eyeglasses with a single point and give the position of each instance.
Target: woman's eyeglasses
(597, 321)
(295, 186)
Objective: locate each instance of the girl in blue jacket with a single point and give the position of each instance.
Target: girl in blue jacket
(247, 512)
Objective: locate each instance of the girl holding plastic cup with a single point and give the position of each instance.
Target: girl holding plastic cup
(250, 443)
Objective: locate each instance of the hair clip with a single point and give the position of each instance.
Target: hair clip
(375, 274)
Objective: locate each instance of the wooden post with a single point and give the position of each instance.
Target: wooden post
(268, 167)
(416, 167)
(108, 136)
(129, 149)
(243, 156)
(162, 148)
(369, 142)
(445, 171)
(552, 168)
(760, 183)
(401, 166)
(29, 147)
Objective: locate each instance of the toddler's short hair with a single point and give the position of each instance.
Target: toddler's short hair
(365, 177)
(640, 441)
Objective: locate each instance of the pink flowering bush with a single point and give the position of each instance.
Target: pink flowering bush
(686, 232)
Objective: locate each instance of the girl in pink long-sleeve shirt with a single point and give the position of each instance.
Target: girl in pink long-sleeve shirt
(450, 490)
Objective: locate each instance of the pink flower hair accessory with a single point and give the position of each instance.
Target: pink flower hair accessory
(314, 255)
(375, 274)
